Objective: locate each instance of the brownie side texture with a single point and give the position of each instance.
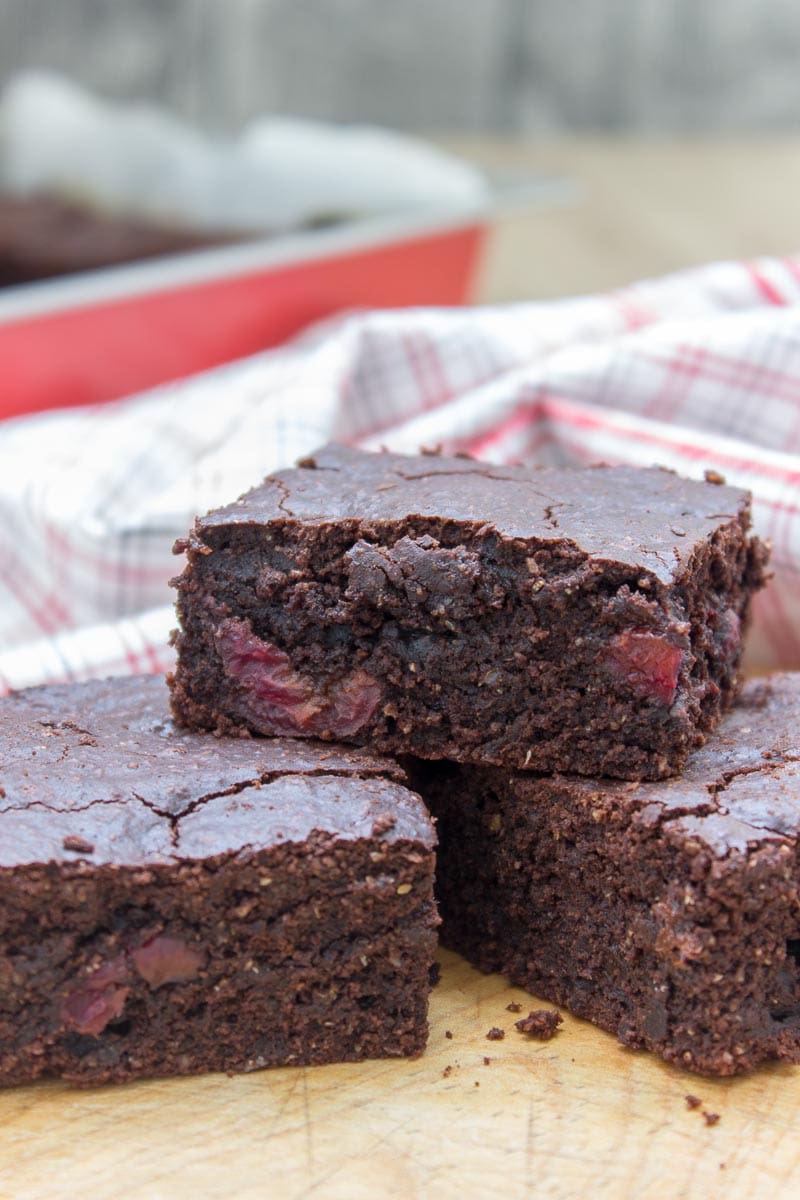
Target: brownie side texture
(667, 913)
(584, 620)
(171, 903)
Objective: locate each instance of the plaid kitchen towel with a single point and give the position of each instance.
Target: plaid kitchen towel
(697, 371)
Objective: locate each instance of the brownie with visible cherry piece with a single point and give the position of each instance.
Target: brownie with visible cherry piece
(668, 912)
(172, 903)
(588, 620)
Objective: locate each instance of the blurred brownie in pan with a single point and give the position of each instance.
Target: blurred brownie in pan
(43, 236)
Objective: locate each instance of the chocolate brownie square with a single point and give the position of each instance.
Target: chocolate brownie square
(171, 903)
(668, 913)
(585, 620)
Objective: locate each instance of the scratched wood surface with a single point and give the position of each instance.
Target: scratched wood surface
(578, 1116)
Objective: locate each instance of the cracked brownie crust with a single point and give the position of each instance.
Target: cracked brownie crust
(584, 620)
(171, 903)
(667, 913)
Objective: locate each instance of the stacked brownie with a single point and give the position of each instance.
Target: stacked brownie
(555, 649)
(545, 620)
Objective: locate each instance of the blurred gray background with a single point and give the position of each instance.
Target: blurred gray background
(468, 66)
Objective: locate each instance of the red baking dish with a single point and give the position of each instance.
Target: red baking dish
(104, 334)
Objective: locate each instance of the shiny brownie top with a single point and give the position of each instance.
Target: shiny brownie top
(650, 517)
(97, 771)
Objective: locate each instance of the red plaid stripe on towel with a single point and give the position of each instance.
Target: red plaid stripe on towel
(697, 371)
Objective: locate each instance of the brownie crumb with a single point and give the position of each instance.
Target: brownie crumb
(383, 823)
(486, 1061)
(710, 1118)
(78, 844)
(693, 1101)
(495, 1034)
(447, 1071)
(714, 477)
(540, 1024)
(434, 973)
(514, 1007)
(448, 1034)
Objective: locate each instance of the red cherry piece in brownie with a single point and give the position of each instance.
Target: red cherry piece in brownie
(647, 663)
(279, 696)
(91, 1009)
(167, 960)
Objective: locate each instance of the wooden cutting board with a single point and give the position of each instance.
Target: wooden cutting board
(579, 1116)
